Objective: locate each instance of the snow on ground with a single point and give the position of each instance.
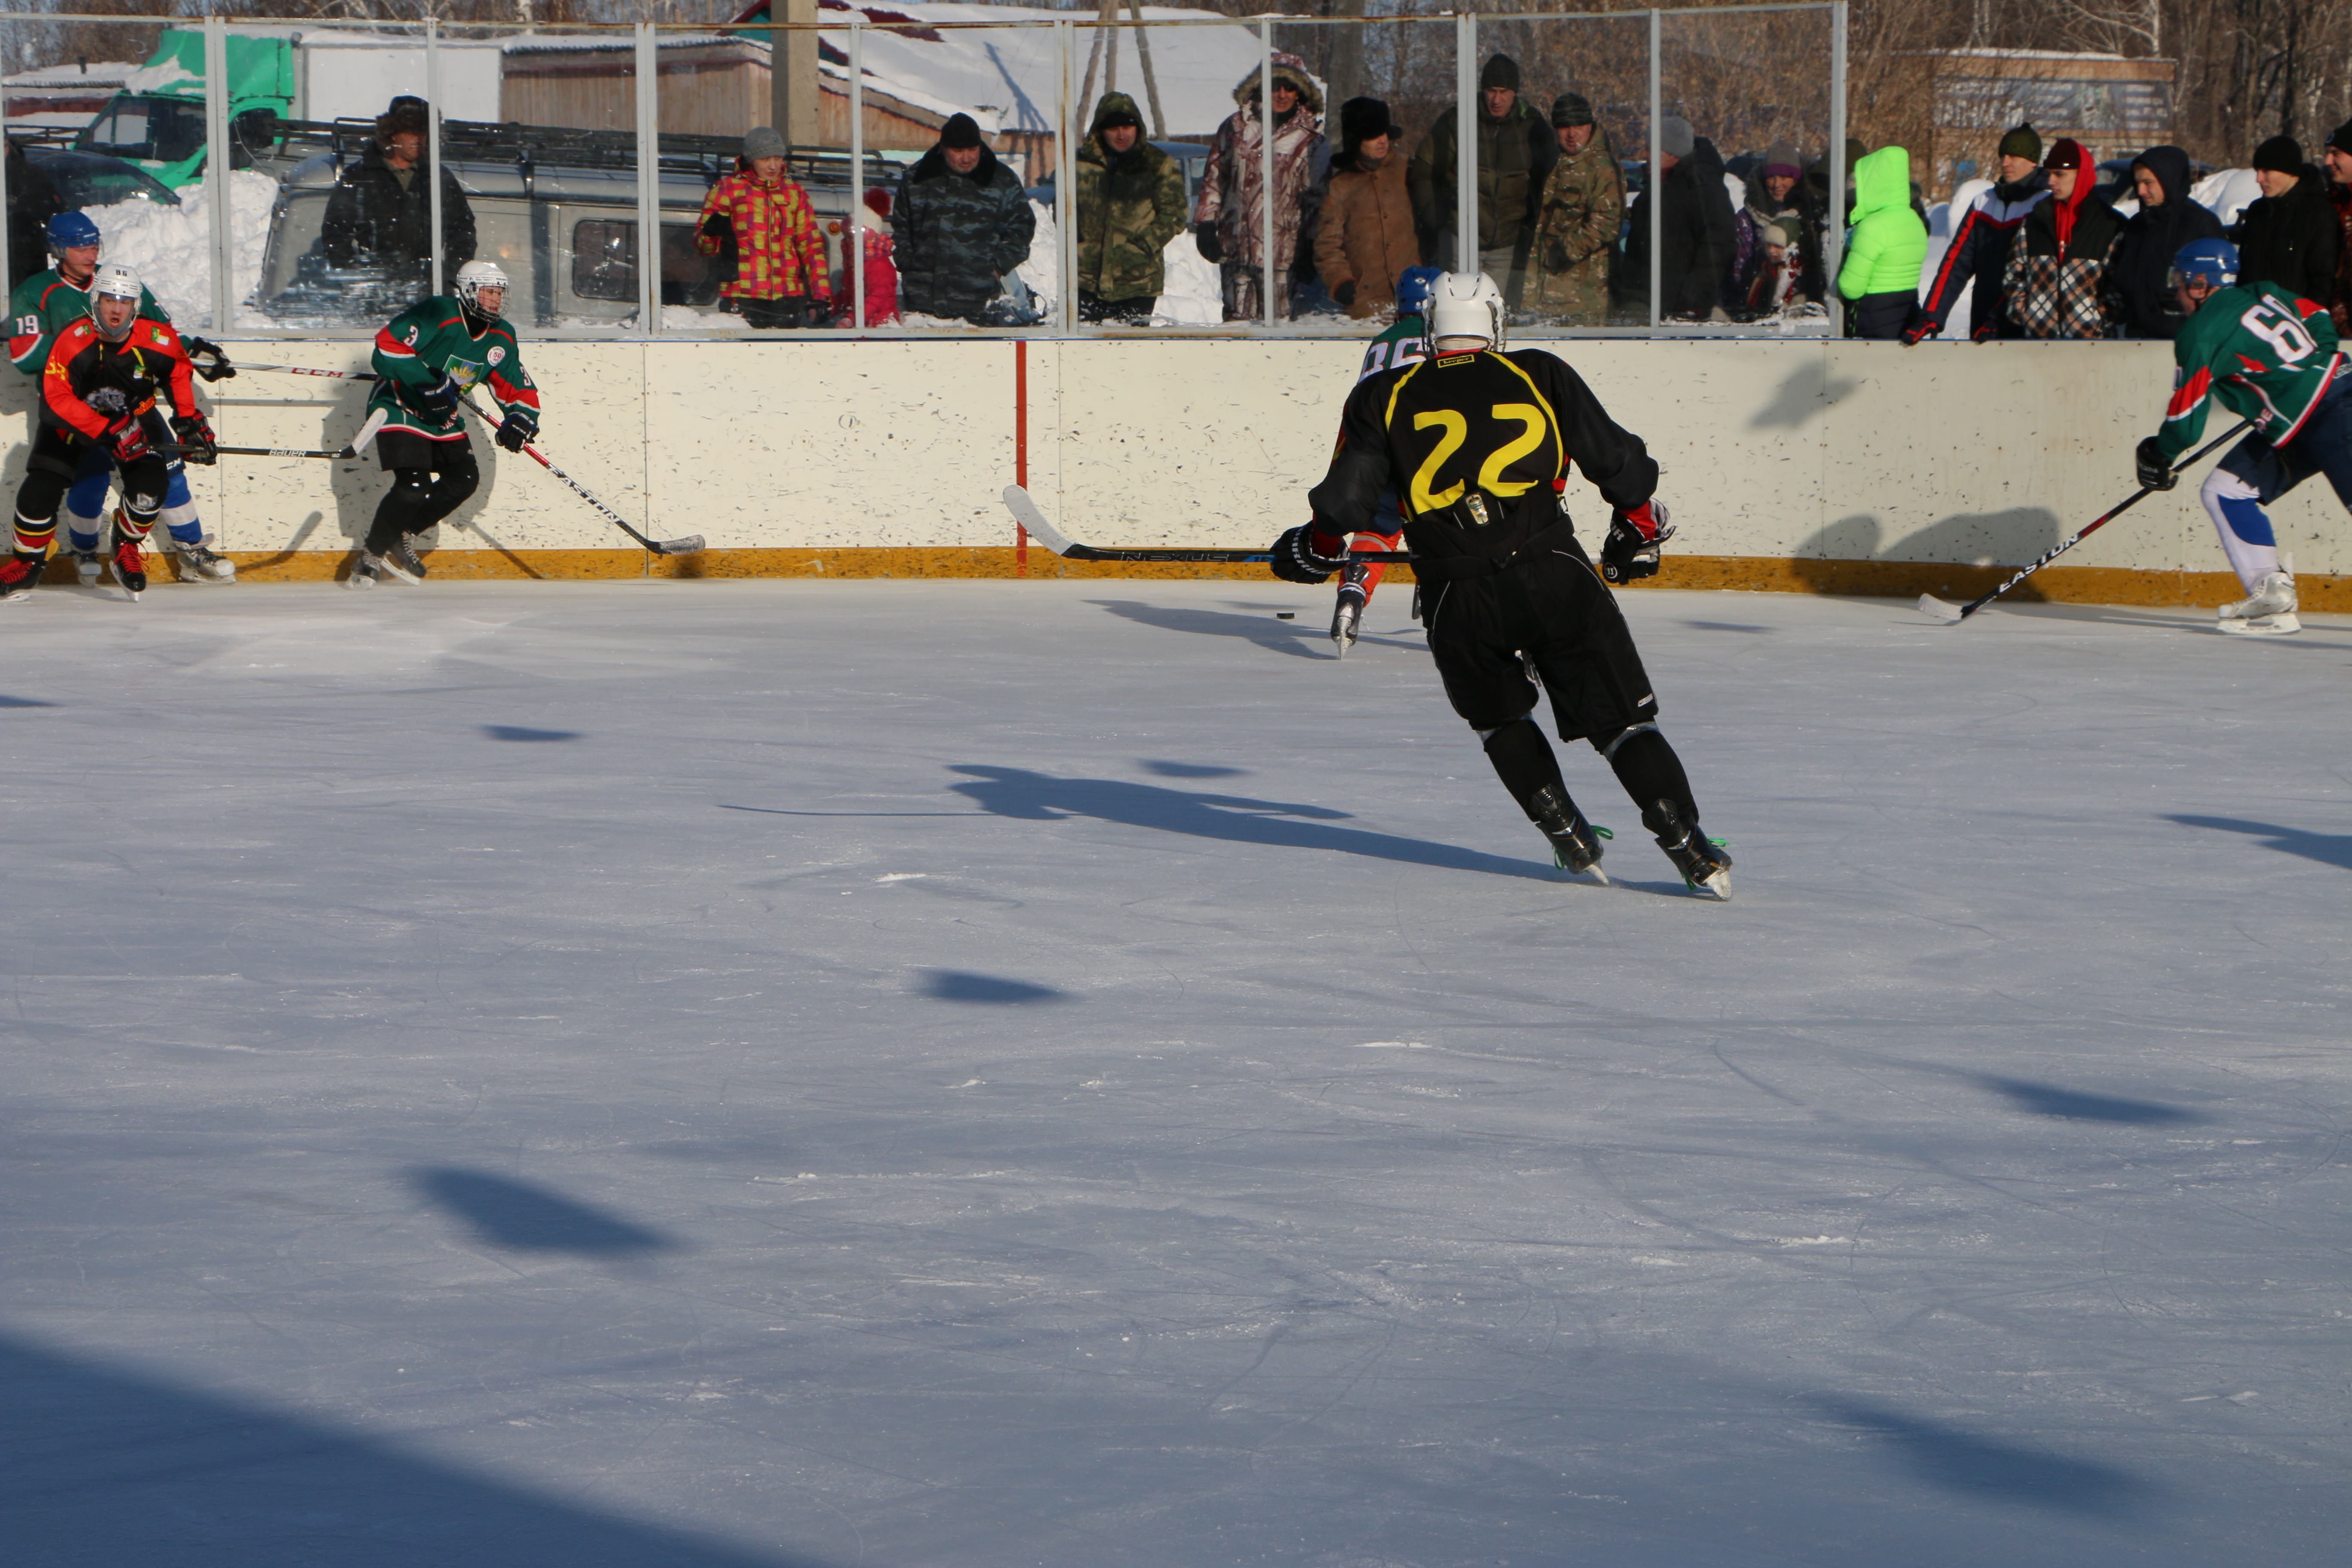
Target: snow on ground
(889, 1073)
(171, 246)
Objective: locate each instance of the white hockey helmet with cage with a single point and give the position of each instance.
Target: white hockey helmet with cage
(115, 281)
(1466, 305)
(475, 277)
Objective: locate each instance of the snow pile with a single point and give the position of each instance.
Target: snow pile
(1195, 295)
(2228, 192)
(172, 247)
(1042, 273)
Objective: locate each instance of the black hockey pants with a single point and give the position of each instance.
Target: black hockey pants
(418, 500)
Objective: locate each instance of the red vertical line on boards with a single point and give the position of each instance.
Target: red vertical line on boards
(1021, 447)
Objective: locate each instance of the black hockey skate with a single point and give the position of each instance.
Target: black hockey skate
(1348, 616)
(200, 563)
(1706, 865)
(365, 570)
(129, 567)
(20, 572)
(403, 562)
(1575, 843)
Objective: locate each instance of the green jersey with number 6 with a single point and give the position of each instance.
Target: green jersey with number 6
(430, 339)
(2266, 355)
(1406, 342)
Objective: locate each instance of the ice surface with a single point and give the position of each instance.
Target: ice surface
(937, 1073)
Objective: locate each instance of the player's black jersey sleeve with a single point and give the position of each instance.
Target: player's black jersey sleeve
(1503, 423)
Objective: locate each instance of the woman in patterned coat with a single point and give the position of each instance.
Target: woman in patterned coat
(1230, 211)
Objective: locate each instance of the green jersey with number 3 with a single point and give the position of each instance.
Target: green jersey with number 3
(2265, 354)
(430, 339)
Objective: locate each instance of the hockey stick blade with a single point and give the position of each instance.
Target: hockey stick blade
(691, 544)
(1938, 610)
(1024, 512)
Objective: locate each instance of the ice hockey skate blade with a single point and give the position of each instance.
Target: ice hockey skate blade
(2286, 624)
(1025, 512)
(1935, 609)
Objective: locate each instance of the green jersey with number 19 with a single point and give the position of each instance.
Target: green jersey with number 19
(2263, 353)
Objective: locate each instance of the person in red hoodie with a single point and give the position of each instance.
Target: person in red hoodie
(2057, 268)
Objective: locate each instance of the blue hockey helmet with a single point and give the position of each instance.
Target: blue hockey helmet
(2212, 262)
(71, 231)
(1413, 289)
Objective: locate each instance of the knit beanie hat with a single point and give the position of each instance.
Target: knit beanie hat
(2282, 153)
(2067, 153)
(1781, 158)
(1675, 138)
(2023, 142)
(960, 130)
(761, 141)
(2341, 137)
(1500, 71)
(1363, 119)
(1571, 109)
(877, 201)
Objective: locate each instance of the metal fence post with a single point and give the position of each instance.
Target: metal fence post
(1066, 178)
(1653, 195)
(1266, 170)
(649, 241)
(221, 235)
(1834, 226)
(851, 235)
(1466, 143)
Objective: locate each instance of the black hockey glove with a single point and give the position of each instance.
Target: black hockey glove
(208, 361)
(1631, 552)
(194, 432)
(1304, 555)
(438, 400)
(521, 429)
(126, 440)
(1205, 240)
(2155, 473)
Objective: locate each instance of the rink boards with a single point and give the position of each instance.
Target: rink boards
(1798, 465)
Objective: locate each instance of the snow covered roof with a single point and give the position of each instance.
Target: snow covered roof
(1010, 77)
(106, 76)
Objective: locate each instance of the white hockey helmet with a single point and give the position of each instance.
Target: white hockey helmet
(1466, 305)
(475, 277)
(115, 281)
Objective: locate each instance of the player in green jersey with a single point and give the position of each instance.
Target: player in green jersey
(427, 359)
(1403, 342)
(2273, 359)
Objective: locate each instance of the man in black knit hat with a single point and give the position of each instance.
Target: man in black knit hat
(2336, 158)
(2291, 236)
(1516, 151)
(1979, 249)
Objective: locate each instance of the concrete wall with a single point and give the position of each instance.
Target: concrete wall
(1808, 465)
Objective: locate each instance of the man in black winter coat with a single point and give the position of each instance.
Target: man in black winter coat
(2140, 280)
(380, 214)
(962, 224)
(1697, 230)
(2289, 236)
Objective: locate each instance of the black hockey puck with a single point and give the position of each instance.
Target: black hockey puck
(1286, 615)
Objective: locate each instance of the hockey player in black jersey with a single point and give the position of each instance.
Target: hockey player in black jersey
(1478, 441)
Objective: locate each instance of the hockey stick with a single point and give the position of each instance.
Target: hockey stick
(1025, 512)
(214, 362)
(1953, 614)
(686, 546)
(263, 451)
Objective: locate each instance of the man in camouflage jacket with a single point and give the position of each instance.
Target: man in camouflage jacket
(1130, 203)
(961, 223)
(1577, 219)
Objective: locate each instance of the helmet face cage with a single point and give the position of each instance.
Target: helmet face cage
(475, 277)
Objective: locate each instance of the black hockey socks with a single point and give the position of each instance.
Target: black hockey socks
(453, 486)
(1523, 760)
(1646, 766)
(405, 509)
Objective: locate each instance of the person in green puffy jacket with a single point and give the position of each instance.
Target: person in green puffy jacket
(1888, 247)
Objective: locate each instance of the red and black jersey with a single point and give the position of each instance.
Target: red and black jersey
(1506, 426)
(88, 383)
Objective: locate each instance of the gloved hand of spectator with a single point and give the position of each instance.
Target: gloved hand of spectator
(1345, 293)
(719, 226)
(1205, 237)
(521, 429)
(1920, 328)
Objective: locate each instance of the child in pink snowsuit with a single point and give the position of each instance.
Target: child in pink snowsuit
(872, 220)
